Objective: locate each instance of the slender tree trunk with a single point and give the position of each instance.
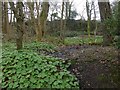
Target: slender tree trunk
(89, 17)
(67, 9)
(95, 31)
(69, 13)
(6, 21)
(62, 24)
(105, 13)
(66, 16)
(1, 24)
(11, 18)
(39, 34)
(33, 21)
(118, 27)
(1, 39)
(40, 24)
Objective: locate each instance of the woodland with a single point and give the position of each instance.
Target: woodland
(49, 45)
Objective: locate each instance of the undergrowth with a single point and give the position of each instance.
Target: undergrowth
(27, 69)
(80, 40)
(39, 45)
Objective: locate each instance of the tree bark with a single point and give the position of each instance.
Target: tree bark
(5, 19)
(62, 24)
(0, 39)
(20, 21)
(95, 31)
(89, 13)
(105, 13)
(18, 13)
(118, 27)
(33, 20)
(118, 21)
(43, 19)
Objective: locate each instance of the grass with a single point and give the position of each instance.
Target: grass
(80, 40)
(75, 40)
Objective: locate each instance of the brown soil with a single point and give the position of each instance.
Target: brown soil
(91, 64)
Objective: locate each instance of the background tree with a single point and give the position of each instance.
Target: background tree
(118, 18)
(62, 23)
(54, 8)
(5, 18)
(73, 14)
(1, 39)
(70, 4)
(118, 27)
(89, 8)
(1, 8)
(39, 20)
(43, 18)
(105, 14)
(34, 22)
(95, 16)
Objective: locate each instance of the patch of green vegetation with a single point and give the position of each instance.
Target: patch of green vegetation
(79, 40)
(26, 69)
(29, 46)
(40, 45)
(8, 46)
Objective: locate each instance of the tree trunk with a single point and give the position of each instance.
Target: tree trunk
(43, 19)
(105, 13)
(95, 31)
(33, 21)
(67, 9)
(20, 22)
(69, 13)
(39, 25)
(62, 24)
(1, 24)
(1, 39)
(118, 27)
(89, 17)
(118, 21)
(66, 15)
(18, 13)
(5, 19)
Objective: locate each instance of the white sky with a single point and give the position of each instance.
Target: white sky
(80, 6)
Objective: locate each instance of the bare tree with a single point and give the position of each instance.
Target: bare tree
(43, 18)
(1, 5)
(5, 18)
(67, 4)
(69, 8)
(40, 23)
(0, 38)
(18, 13)
(54, 7)
(118, 17)
(95, 16)
(32, 16)
(118, 27)
(62, 23)
(89, 13)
